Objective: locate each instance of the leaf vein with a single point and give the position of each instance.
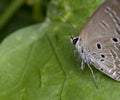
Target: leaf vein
(60, 64)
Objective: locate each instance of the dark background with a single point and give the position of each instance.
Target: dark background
(16, 14)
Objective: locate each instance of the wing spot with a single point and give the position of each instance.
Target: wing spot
(101, 69)
(115, 40)
(99, 46)
(103, 56)
(102, 60)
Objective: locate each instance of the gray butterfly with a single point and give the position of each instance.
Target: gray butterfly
(99, 41)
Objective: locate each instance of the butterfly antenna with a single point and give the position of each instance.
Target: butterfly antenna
(93, 75)
(65, 20)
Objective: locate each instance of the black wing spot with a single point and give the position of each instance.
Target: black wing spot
(102, 60)
(99, 46)
(101, 69)
(103, 56)
(115, 40)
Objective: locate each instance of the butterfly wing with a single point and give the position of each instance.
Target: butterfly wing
(106, 56)
(100, 39)
(105, 21)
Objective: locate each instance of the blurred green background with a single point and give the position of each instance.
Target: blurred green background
(16, 14)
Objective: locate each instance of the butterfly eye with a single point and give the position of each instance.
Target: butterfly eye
(98, 45)
(115, 40)
(74, 40)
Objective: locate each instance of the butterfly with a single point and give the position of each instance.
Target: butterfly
(99, 42)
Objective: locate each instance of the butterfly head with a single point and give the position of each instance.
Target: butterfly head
(74, 40)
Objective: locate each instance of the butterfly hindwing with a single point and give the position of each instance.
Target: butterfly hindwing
(104, 54)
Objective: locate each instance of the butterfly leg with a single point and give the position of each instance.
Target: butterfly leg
(83, 65)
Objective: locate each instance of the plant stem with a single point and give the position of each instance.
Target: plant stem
(37, 14)
(12, 8)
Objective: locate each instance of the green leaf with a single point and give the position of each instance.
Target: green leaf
(38, 63)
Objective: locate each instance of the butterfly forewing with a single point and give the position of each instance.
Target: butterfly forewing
(105, 21)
